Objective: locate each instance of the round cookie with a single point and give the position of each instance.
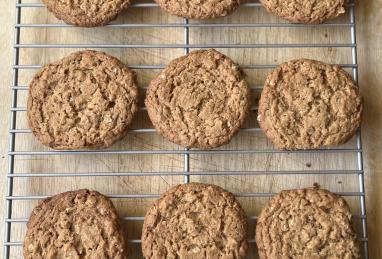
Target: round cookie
(307, 104)
(199, 9)
(305, 11)
(306, 223)
(75, 224)
(85, 100)
(195, 221)
(199, 100)
(86, 13)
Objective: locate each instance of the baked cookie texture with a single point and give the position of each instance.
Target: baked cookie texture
(86, 100)
(307, 104)
(199, 9)
(195, 221)
(306, 11)
(86, 13)
(199, 100)
(76, 224)
(306, 223)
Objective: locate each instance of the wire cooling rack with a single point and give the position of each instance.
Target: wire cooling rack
(132, 173)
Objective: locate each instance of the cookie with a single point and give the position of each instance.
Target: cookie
(86, 13)
(306, 11)
(75, 224)
(85, 100)
(307, 104)
(306, 223)
(195, 221)
(196, 9)
(199, 100)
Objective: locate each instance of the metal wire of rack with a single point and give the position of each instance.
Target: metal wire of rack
(187, 172)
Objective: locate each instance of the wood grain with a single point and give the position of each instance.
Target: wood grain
(370, 53)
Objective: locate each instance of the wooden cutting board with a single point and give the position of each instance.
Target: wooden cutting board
(369, 31)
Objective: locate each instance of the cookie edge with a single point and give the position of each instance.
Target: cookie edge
(33, 219)
(103, 145)
(337, 12)
(187, 187)
(264, 99)
(245, 109)
(75, 21)
(275, 199)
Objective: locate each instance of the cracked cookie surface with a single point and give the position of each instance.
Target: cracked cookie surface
(195, 221)
(86, 13)
(199, 9)
(76, 224)
(86, 100)
(305, 11)
(199, 100)
(306, 223)
(306, 104)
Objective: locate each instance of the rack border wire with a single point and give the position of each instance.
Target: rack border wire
(11, 158)
(361, 178)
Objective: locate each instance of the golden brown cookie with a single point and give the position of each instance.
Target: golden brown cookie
(305, 11)
(86, 13)
(306, 223)
(195, 221)
(199, 100)
(307, 104)
(85, 100)
(199, 9)
(76, 224)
